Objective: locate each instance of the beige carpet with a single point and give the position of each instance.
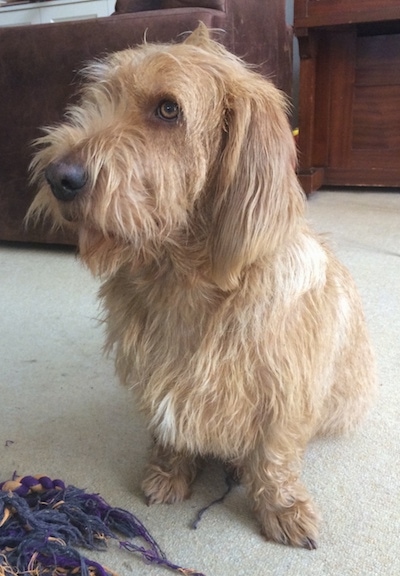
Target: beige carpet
(63, 414)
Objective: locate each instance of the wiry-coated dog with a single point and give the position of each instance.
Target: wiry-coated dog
(240, 332)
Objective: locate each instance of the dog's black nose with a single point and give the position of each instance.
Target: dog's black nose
(66, 179)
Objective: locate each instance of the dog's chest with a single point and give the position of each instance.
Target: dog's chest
(182, 351)
(209, 417)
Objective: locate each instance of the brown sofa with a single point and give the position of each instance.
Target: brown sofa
(38, 67)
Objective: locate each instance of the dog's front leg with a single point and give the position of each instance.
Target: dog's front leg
(168, 476)
(281, 502)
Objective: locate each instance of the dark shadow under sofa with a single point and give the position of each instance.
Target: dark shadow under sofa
(39, 64)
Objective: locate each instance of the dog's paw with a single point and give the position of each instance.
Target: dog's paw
(161, 487)
(296, 525)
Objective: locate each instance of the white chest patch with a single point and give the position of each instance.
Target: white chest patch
(164, 420)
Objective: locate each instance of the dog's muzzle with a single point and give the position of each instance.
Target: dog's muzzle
(66, 179)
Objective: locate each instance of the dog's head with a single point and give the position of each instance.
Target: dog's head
(178, 143)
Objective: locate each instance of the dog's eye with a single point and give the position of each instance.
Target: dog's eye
(168, 110)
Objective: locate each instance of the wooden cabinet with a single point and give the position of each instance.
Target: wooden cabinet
(349, 101)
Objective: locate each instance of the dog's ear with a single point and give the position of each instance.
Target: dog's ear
(257, 197)
(200, 37)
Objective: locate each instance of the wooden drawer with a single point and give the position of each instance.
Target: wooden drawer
(311, 13)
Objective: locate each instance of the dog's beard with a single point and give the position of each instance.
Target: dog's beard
(103, 253)
(105, 246)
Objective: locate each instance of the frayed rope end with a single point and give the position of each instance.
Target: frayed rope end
(42, 520)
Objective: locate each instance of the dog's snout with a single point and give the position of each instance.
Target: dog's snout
(66, 179)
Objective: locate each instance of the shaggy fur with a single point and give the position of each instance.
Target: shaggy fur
(240, 332)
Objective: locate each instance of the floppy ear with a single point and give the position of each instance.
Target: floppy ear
(257, 197)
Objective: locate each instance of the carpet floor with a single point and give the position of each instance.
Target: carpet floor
(63, 414)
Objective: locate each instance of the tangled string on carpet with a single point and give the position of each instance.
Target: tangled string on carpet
(42, 521)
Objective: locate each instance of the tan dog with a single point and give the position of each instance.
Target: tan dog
(240, 332)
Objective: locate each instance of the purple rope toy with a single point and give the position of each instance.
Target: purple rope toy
(42, 520)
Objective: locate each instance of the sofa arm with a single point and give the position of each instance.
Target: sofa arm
(212, 4)
(126, 6)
